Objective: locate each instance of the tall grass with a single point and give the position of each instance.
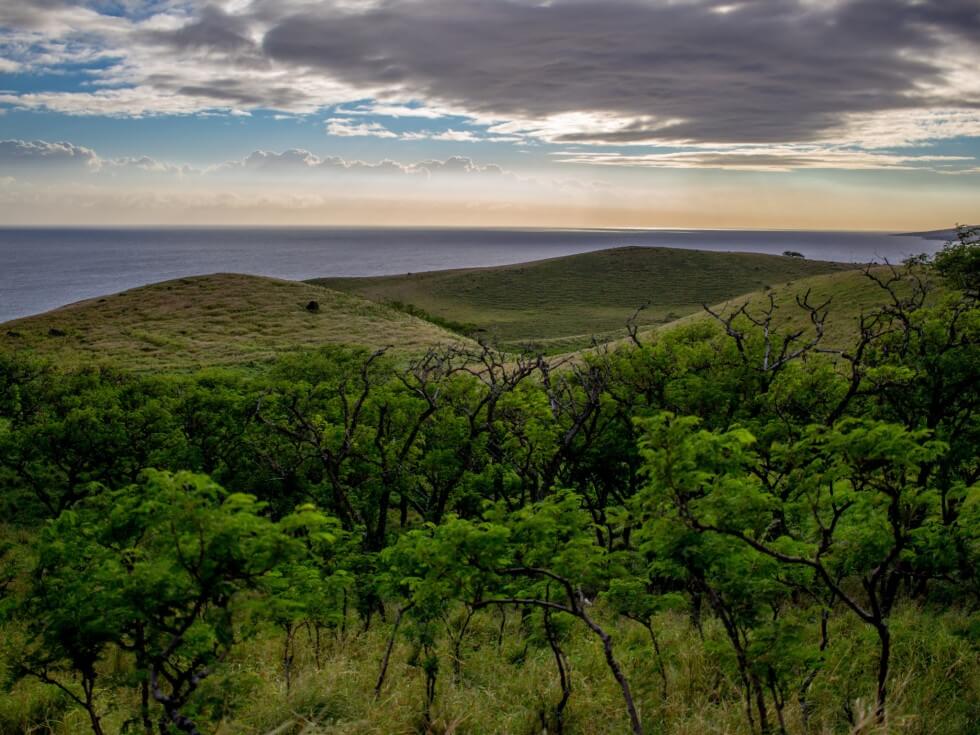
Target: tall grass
(509, 685)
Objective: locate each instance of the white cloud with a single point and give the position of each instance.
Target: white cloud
(842, 96)
(456, 136)
(148, 165)
(293, 158)
(589, 128)
(40, 153)
(456, 165)
(344, 128)
(395, 110)
(898, 129)
(303, 162)
(770, 158)
(300, 161)
(130, 102)
(450, 135)
(43, 157)
(347, 128)
(136, 70)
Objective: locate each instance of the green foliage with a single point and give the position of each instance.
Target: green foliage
(159, 569)
(959, 260)
(729, 527)
(452, 325)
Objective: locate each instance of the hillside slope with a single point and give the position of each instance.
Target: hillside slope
(850, 294)
(222, 319)
(562, 302)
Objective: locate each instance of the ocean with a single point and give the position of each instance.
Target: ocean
(43, 268)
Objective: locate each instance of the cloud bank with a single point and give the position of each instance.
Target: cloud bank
(761, 71)
(42, 157)
(40, 153)
(594, 72)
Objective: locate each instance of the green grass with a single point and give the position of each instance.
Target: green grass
(557, 305)
(222, 319)
(505, 690)
(561, 303)
(848, 295)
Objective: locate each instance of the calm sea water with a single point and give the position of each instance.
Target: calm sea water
(41, 269)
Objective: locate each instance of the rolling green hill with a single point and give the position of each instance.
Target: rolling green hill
(849, 293)
(221, 319)
(559, 304)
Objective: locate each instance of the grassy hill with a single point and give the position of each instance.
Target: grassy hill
(560, 303)
(850, 294)
(221, 319)
(557, 304)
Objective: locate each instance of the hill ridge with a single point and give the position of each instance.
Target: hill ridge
(211, 320)
(582, 294)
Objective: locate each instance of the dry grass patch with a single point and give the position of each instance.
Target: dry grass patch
(222, 319)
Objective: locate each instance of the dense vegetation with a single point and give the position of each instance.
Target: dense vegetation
(726, 527)
(559, 304)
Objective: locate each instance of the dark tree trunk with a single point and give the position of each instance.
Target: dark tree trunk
(387, 656)
(93, 716)
(458, 644)
(635, 727)
(884, 656)
(560, 663)
(145, 707)
(288, 654)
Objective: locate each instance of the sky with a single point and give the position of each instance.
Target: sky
(808, 114)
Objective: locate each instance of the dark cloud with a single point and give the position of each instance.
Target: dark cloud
(237, 92)
(213, 29)
(750, 71)
(613, 72)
